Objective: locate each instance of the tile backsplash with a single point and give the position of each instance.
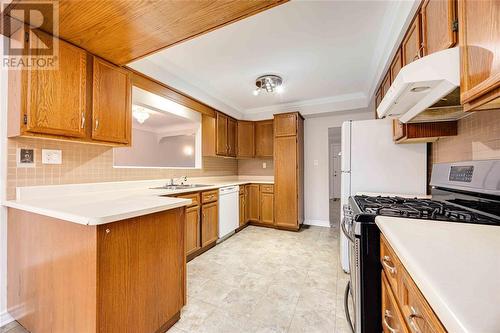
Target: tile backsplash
(254, 167)
(478, 139)
(84, 163)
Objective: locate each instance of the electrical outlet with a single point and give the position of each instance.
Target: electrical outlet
(51, 156)
(264, 165)
(315, 162)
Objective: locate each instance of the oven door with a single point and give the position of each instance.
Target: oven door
(352, 294)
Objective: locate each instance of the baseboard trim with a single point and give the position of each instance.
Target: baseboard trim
(318, 223)
(5, 318)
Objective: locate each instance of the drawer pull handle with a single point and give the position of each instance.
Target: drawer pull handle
(411, 319)
(385, 261)
(388, 316)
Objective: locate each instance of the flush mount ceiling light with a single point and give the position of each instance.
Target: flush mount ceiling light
(269, 83)
(140, 114)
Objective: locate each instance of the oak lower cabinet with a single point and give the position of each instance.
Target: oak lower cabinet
(84, 99)
(242, 207)
(253, 202)
(479, 36)
(267, 204)
(209, 223)
(193, 225)
(404, 308)
(124, 276)
(288, 170)
(423, 132)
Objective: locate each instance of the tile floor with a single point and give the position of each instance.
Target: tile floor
(264, 280)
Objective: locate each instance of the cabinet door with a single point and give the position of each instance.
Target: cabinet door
(246, 139)
(242, 210)
(264, 136)
(392, 319)
(286, 182)
(192, 239)
(378, 99)
(57, 99)
(285, 124)
(209, 223)
(231, 137)
(396, 65)
(411, 45)
(479, 53)
(386, 84)
(209, 135)
(437, 25)
(267, 208)
(253, 202)
(221, 130)
(112, 111)
(398, 130)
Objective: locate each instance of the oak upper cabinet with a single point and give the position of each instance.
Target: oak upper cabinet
(246, 138)
(253, 202)
(225, 135)
(264, 138)
(209, 223)
(396, 65)
(231, 137)
(51, 102)
(439, 25)
(378, 99)
(386, 84)
(266, 204)
(288, 170)
(112, 103)
(479, 54)
(412, 43)
(423, 132)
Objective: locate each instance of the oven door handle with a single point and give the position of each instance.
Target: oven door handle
(346, 306)
(344, 230)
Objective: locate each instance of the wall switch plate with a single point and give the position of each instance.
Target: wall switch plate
(264, 165)
(315, 162)
(51, 156)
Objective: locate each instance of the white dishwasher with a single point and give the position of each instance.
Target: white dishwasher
(229, 210)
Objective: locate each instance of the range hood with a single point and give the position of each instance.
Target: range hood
(427, 89)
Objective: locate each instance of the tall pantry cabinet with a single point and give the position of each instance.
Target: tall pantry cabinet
(288, 170)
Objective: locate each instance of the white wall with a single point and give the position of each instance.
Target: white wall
(316, 177)
(4, 316)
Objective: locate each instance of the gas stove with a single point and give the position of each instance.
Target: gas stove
(452, 210)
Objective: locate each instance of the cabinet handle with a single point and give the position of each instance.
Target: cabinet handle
(419, 53)
(385, 261)
(388, 316)
(83, 120)
(96, 124)
(411, 320)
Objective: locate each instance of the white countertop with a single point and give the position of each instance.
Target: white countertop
(100, 203)
(456, 267)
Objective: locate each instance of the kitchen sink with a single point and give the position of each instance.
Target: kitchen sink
(179, 187)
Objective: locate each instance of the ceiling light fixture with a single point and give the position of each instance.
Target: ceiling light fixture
(140, 114)
(269, 83)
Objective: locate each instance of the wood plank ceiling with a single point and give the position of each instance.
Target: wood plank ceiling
(121, 31)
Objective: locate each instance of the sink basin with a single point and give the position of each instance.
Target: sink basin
(179, 187)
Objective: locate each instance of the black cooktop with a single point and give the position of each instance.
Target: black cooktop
(453, 211)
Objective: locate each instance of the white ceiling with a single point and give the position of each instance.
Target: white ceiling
(329, 53)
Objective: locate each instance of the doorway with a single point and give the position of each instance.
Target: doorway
(334, 174)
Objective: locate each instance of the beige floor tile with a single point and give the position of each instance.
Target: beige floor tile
(193, 315)
(312, 321)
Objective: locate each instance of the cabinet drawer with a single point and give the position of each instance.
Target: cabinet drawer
(209, 196)
(391, 264)
(267, 188)
(392, 319)
(416, 311)
(195, 197)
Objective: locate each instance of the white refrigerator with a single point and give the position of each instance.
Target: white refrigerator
(372, 162)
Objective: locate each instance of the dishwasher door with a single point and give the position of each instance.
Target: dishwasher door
(229, 210)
